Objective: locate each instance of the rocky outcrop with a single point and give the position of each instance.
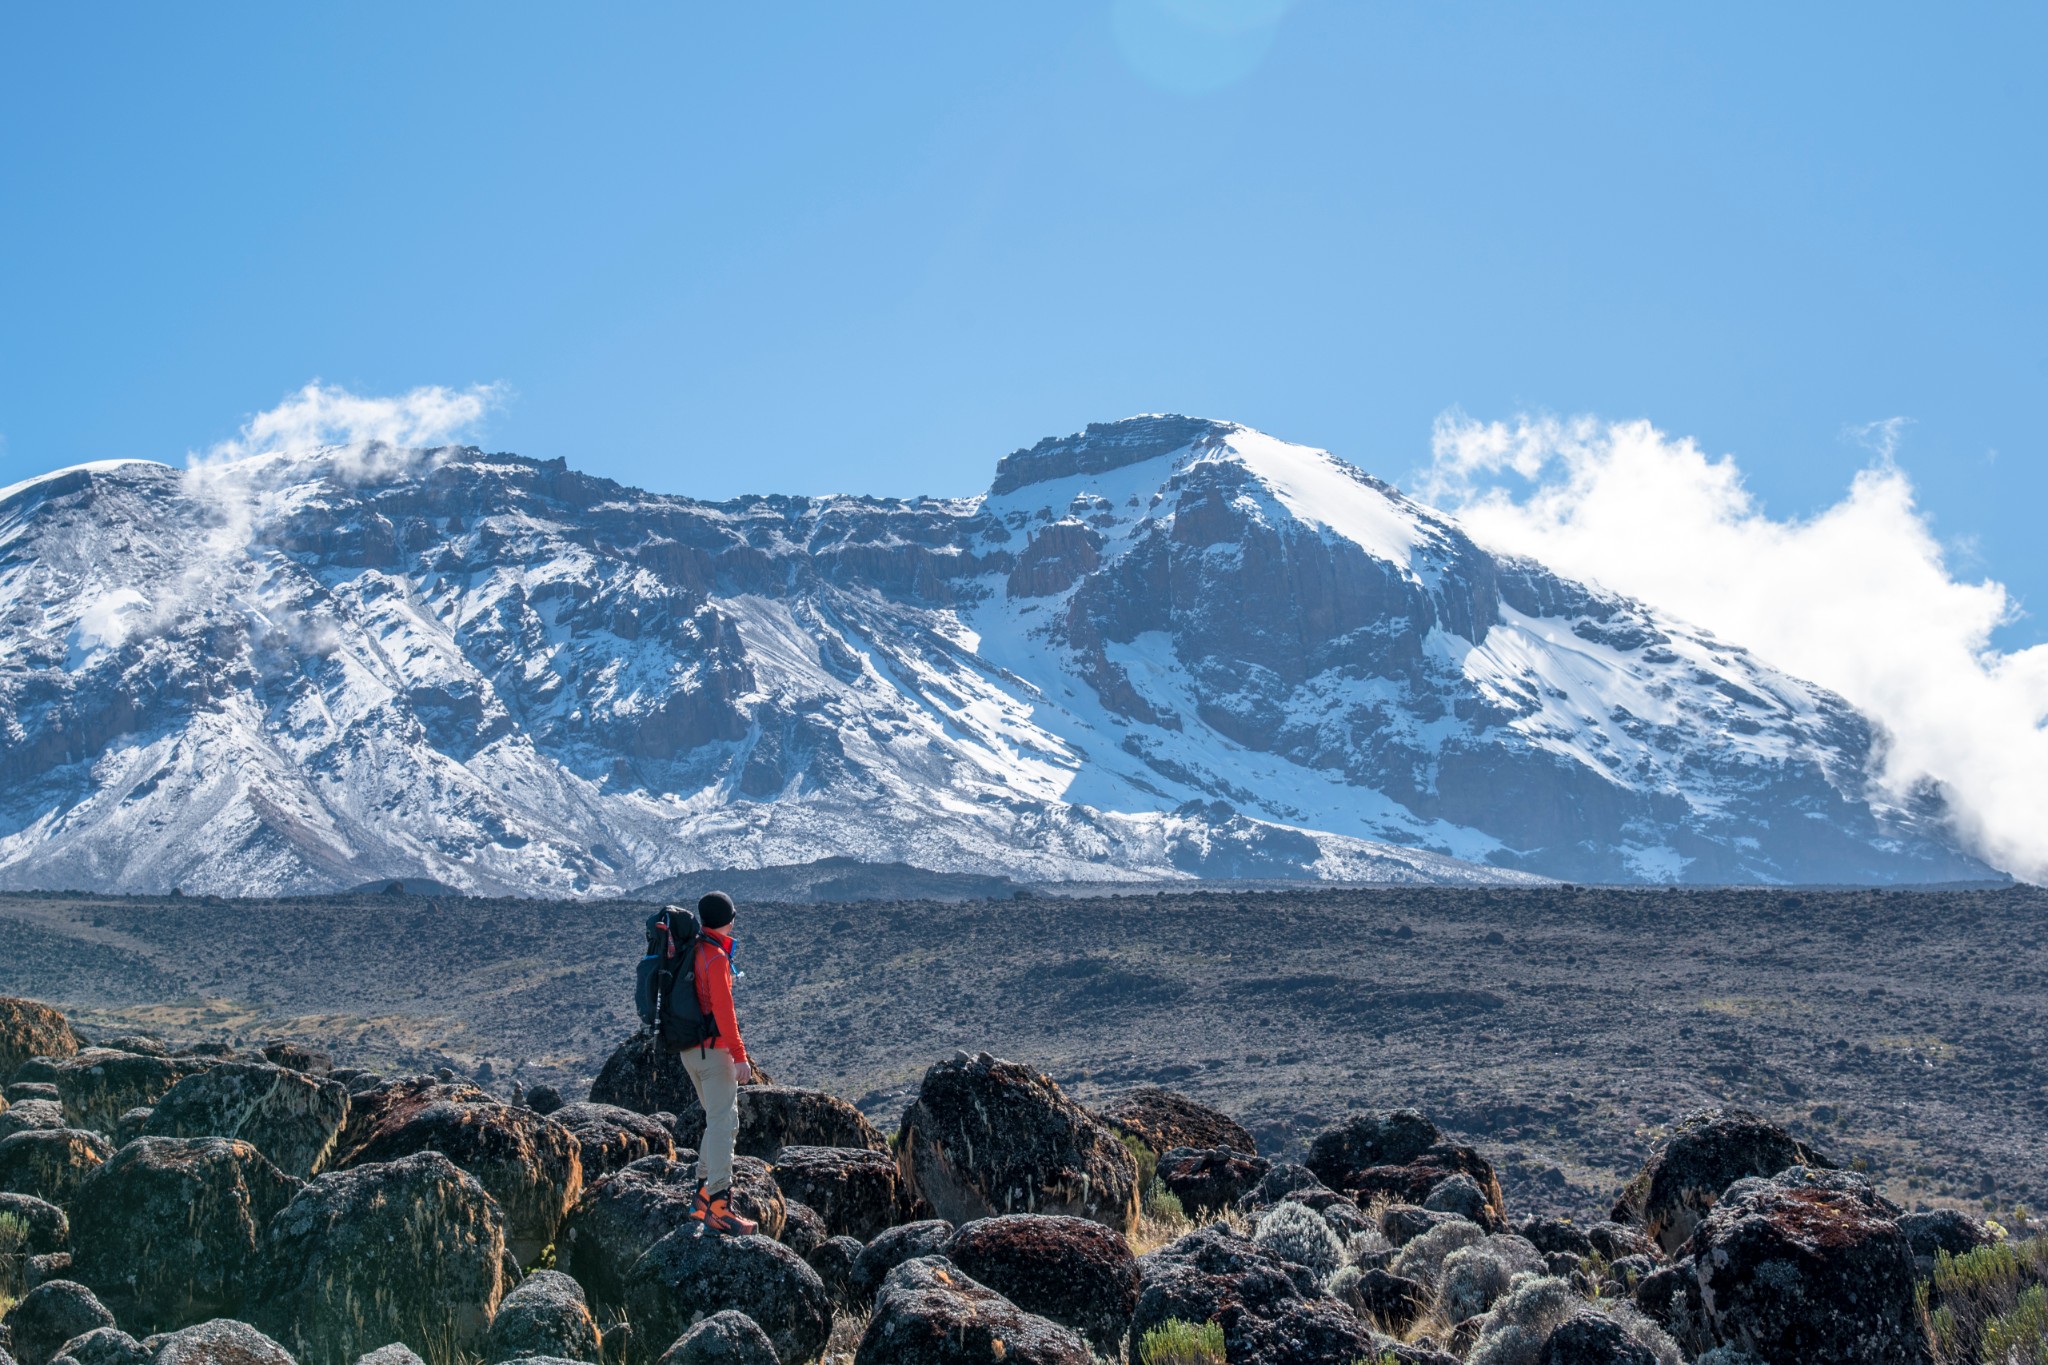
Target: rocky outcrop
(639, 1077)
(1703, 1156)
(986, 1137)
(220, 1342)
(1071, 1270)
(295, 1056)
(926, 1237)
(170, 1231)
(545, 1316)
(49, 1163)
(528, 1162)
(410, 1250)
(29, 1028)
(1590, 1339)
(684, 1277)
(854, 1190)
(726, 1337)
(1165, 1119)
(618, 1220)
(288, 1115)
(99, 1084)
(610, 1138)
(803, 1231)
(1401, 1156)
(1207, 1180)
(929, 1312)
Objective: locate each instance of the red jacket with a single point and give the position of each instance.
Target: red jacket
(714, 994)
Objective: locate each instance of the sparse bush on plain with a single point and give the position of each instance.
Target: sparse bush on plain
(1175, 1342)
(1295, 1232)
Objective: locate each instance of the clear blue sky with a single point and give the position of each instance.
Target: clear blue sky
(715, 249)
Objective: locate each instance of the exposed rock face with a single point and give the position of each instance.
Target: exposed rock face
(1394, 1301)
(29, 1028)
(929, 1312)
(611, 1138)
(640, 1077)
(986, 1137)
(1076, 1272)
(527, 1161)
(1400, 1156)
(286, 1114)
(926, 1237)
(1810, 1266)
(1670, 1297)
(620, 1218)
(220, 1342)
(49, 1163)
(1165, 1119)
(99, 1085)
(409, 1250)
(544, 1316)
(1704, 1155)
(776, 1116)
(1206, 1180)
(1933, 1232)
(853, 1189)
(50, 1315)
(685, 1276)
(24, 1115)
(725, 1338)
(170, 1231)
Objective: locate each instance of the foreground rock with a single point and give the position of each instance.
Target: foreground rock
(610, 1138)
(1073, 1271)
(100, 1084)
(1400, 1156)
(986, 1137)
(291, 1117)
(1704, 1155)
(50, 1315)
(1809, 1266)
(49, 1163)
(528, 1162)
(852, 1189)
(724, 1338)
(409, 1251)
(1165, 1119)
(170, 1231)
(685, 1276)
(618, 1220)
(220, 1342)
(545, 1316)
(29, 1028)
(930, 1312)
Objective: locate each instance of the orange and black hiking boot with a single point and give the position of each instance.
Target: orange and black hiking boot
(723, 1221)
(700, 1208)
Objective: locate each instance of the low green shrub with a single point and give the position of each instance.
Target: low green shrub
(2019, 1337)
(1995, 1289)
(1175, 1342)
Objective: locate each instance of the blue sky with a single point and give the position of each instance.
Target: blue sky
(810, 247)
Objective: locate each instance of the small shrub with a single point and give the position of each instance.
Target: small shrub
(1147, 1159)
(1972, 1292)
(2020, 1337)
(13, 1258)
(1163, 1205)
(1295, 1232)
(1175, 1342)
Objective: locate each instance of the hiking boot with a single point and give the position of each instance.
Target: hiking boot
(723, 1221)
(700, 1208)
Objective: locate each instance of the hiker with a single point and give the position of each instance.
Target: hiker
(686, 994)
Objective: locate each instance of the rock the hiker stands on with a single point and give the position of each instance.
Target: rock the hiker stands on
(685, 1276)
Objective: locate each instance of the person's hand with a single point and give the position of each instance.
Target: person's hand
(743, 1073)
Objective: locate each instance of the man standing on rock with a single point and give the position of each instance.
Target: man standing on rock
(718, 1067)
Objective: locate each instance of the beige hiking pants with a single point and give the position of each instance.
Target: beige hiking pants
(718, 1090)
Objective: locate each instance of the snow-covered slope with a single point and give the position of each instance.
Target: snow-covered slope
(1164, 647)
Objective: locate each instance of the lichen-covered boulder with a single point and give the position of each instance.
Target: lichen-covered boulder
(409, 1250)
(685, 1276)
(1212, 1274)
(1591, 1339)
(776, 1116)
(1809, 1266)
(852, 1188)
(50, 1315)
(1670, 1297)
(930, 1312)
(1934, 1231)
(834, 1260)
(1393, 1301)
(1165, 1119)
(99, 1084)
(1209, 1179)
(617, 1220)
(926, 1237)
(803, 1231)
(170, 1231)
(528, 1162)
(23, 1115)
(49, 1163)
(726, 1337)
(397, 1353)
(291, 1117)
(1401, 1157)
(219, 1342)
(1074, 1271)
(545, 1316)
(297, 1057)
(611, 1138)
(102, 1346)
(638, 1077)
(1703, 1156)
(46, 1226)
(986, 1137)
(29, 1028)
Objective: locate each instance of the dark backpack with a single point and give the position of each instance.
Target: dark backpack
(666, 988)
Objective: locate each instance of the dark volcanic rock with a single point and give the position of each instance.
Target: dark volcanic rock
(834, 1260)
(31, 1090)
(1394, 1301)
(638, 1077)
(987, 1137)
(289, 1116)
(685, 1276)
(99, 1085)
(612, 1138)
(1207, 1180)
(776, 1116)
(929, 1312)
(1165, 1119)
(24, 1115)
(853, 1189)
(1215, 1275)
(1550, 1235)
(1704, 1155)
(544, 1316)
(1939, 1230)
(803, 1231)
(927, 1237)
(170, 1231)
(1403, 1223)
(49, 1163)
(102, 1346)
(1401, 1156)
(1670, 1297)
(410, 1250)
(1074, 1271)
(48, 1228)
(1810, 1266)
(620, 1218)
(725, 1338)
(29, 1028)
(528, 1162)
(222, 1341)
(297, 1057)
(1590, 1339)
(50, 1315)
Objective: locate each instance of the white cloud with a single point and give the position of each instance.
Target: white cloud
(1859, 598)
(326, 418)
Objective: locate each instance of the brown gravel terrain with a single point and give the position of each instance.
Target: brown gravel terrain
(1557, 1029)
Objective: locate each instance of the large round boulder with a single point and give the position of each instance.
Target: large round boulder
(611, 1138)
(409, 1250)
(776, 1116)
(726, 1337)
(926, 1237)
(986, 1137)
(528, 1162)
(1076, 1272)
(49, 1163)
(102, 1346)
(23, 1115)
(291, 1117)
(853, 1189)
(51, 1314)
(1703, 1156)
(1165, 1119)
(685, 1276)
(834, 1260)
(100, 1084)
(930, 1312)
(1401, 1157)
(170, 1231)
(1209, 1179)
(617, 1220)
(29, 1028)
(545, 1316)
(222, 1341)
(1809, 1266)
(45, 1226)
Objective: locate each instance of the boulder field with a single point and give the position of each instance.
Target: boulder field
(166, 1205)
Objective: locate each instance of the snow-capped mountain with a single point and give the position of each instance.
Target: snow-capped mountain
(1162, 647)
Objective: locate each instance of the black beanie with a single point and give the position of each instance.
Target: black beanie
(715, 910)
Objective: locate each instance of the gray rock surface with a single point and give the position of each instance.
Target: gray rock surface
(292, 1117)
(545, 1316)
